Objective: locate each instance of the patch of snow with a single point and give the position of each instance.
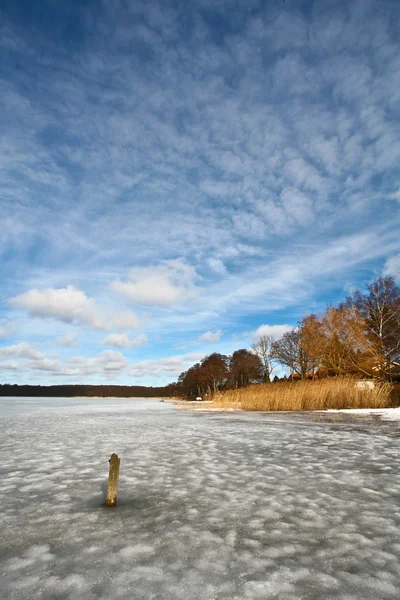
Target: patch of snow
(389, 414)
(213, 409)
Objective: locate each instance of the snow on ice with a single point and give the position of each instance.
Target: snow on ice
(211, 505)
(389, 414)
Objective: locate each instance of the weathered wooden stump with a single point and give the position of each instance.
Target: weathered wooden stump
(112, 488)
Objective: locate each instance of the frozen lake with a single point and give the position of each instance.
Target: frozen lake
(211, 506)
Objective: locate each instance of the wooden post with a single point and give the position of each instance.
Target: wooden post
(112, 488)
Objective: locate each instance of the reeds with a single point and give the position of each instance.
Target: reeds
(333, 393)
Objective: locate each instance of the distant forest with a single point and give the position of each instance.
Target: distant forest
(102, 391)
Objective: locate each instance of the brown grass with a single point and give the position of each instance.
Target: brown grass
(305, 395)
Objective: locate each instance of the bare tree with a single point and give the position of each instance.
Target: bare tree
(380, 308)
(263, 349)
(290, 351)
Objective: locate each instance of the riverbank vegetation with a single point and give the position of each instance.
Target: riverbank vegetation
(331, 393)
(324, 354)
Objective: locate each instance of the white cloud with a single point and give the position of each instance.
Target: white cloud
(165, 367)
(297, 205)
(121, 340)
(11, 365)
(69, 340)
(274, 331)
(25, 359)
(71, 305)
(22, 350)
(210, 337)
(68, 305)
(107, 362)
(46, 364)
(171, 282)
(217, 266)
(126, 320)
(7, 328)
(392, 267)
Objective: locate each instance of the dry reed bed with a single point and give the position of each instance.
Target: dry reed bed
(305, 395)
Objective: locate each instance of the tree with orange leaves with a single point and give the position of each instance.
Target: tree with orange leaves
(339, 341)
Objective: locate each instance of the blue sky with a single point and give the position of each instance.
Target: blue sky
(177, 175)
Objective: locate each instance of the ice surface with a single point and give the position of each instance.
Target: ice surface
(211, 505)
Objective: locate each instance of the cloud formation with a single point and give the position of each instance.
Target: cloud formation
(210, 337)
(68, 305)
(28, 361)
(274, 331)
(169, 283)
(7, 328)
(121, 340)
(213, 165)
(22, 350)
(108, 363)
(70, 340)
(125, 320)
(169, 367)
(72, 306)
(392, 267)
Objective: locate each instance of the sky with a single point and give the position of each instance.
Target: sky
(178, 178)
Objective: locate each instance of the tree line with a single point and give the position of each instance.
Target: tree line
(360, 336)
(66, 391)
